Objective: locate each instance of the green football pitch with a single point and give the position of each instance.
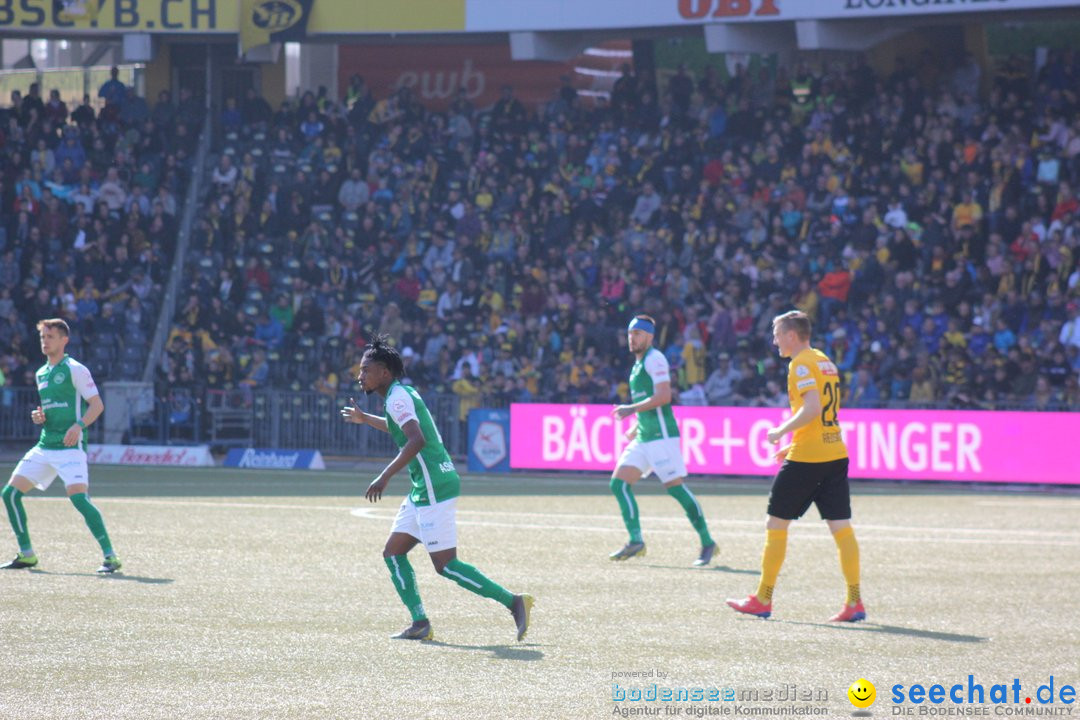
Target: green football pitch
(264, 595)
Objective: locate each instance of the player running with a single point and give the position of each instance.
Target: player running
(70, 402)
(654, 443)
(814, 471)
(428, 513)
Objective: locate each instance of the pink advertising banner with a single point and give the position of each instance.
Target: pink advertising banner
(1011, 447)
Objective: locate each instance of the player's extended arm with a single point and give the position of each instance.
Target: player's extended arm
(661, 396)
(810, 409)
(415, 442)
(352, 413)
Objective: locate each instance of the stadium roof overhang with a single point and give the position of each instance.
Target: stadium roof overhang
(537, 29)
(773, 34)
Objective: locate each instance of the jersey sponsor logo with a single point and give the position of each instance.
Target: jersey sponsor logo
(804, 384)
(446, 467)
(802, 370)
(827, 368)
(54, 404)
(43, 385)
(59, 377)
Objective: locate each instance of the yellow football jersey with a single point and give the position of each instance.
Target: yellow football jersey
(820, 441)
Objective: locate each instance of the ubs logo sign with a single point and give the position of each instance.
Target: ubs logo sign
(698, 9)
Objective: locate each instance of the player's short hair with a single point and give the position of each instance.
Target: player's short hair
(58, 324)
(794, 320)
(645, 317)
(381, 351)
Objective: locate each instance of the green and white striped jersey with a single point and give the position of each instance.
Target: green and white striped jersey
(650, 371)
(433, 475)
(65, 389)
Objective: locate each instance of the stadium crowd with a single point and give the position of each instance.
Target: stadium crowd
(88, 205)
(926, 220)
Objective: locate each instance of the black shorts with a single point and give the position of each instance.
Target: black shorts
(798, 484)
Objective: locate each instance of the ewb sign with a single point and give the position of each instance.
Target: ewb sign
(489, 441)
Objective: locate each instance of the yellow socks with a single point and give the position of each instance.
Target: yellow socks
(772, 558)
(848, 549)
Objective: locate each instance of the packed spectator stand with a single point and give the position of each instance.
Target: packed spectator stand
(88, 222)
(926, 220)
(928, 227)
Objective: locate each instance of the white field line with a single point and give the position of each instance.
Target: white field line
(1059, 503)
(999, 537)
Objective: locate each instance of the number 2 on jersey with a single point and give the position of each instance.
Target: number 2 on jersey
(832, 404)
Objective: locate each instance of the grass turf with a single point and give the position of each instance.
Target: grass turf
(264, 595)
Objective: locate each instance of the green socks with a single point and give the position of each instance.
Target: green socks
(17, 517)
(693, 511)
(404, 578)
(475, 581)
(93, 521)
(628, 505)
(465, 575)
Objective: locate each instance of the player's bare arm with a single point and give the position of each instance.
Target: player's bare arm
(353, 414)
(411, 449)
(810, 409)
(93, 412)
(781, 454)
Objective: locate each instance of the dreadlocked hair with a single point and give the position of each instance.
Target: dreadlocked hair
(381, 351)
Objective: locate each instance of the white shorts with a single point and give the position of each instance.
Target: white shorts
(663, 457)
(435, 526)
(42, 466)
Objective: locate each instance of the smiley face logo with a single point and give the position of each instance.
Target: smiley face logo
(862, 693)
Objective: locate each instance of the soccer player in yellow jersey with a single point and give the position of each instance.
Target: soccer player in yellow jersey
(814, 470)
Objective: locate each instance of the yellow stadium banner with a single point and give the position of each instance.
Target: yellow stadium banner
(326, 17)
(374, 16)
(111, 16)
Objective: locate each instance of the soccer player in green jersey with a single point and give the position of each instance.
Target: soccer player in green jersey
(69, 403)
(428, 513)
(654, 443)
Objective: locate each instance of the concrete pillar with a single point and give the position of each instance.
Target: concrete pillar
(319, 66)
(749, 37)
(13, 51)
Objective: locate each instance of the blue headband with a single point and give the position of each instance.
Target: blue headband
(642, 324)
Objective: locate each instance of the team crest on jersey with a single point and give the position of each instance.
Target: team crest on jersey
(802, 370)
(60, 377)
(398, 406)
